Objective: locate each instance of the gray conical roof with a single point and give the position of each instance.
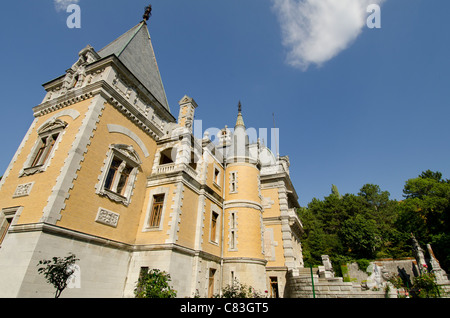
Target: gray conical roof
(134, 49)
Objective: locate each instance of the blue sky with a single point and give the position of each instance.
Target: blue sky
(353, 105)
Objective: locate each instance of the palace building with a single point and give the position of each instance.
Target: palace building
(108, 173)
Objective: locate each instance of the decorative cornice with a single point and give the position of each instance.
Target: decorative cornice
(111, 95)
(247, 260)
(242, 204)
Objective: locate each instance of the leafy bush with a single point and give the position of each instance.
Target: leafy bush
(238, 290)
(424, 286)
(154, 284)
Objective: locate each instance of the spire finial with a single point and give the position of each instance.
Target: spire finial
(240, 120)
(147, 13)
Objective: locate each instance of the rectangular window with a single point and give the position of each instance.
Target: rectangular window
(274, 287)
(158, 203)
(212, 272)
(115, 164)
(214, 218)
(4, 228)
(233, 220)
(233, 181)
(45, 147)
(118, 176)
(233, 239)
(6, 218)
(216, 176)
(123, 179)
(233, 230)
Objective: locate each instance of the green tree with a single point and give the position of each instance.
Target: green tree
(335, 191)
(57, 271)
(426, 212)
(154, 284)
(351, 226)
(361, 236)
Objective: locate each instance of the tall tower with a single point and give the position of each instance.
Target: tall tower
(243, 247)
(78, 180)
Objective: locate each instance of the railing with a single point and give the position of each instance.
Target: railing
(171, 167)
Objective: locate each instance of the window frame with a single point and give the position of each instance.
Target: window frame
(233, 235)
(152, 194)
(128, 158)
(217, 177)
(8, 219)
(233, 182)
(156, 210)
(49, 136)
(214, 226)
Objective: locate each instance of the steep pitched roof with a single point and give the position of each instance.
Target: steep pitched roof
(134, 49)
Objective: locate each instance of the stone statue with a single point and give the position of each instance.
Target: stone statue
(418, 255)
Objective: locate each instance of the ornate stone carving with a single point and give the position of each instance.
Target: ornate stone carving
(23, 190)
(107, 217)
(76, 75)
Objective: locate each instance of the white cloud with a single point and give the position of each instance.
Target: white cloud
(315, 31)
(61, 5)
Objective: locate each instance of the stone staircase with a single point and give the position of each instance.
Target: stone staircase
(302, 286)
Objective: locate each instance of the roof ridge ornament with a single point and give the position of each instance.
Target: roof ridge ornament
(147, 13)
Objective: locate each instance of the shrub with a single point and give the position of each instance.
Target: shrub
(238, 290)
(154, 284)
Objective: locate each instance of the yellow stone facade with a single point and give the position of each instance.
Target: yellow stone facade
(108, 173)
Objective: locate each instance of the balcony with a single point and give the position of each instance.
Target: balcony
(172, 168)
(294, 220)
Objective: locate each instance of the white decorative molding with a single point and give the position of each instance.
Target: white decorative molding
(112, 128)
(107, 217)
(270, 244)
(19, 150)
(267, 202)
(23, 190)
(200, 221)
(174, 224)
(242, 204)
(64, 182)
